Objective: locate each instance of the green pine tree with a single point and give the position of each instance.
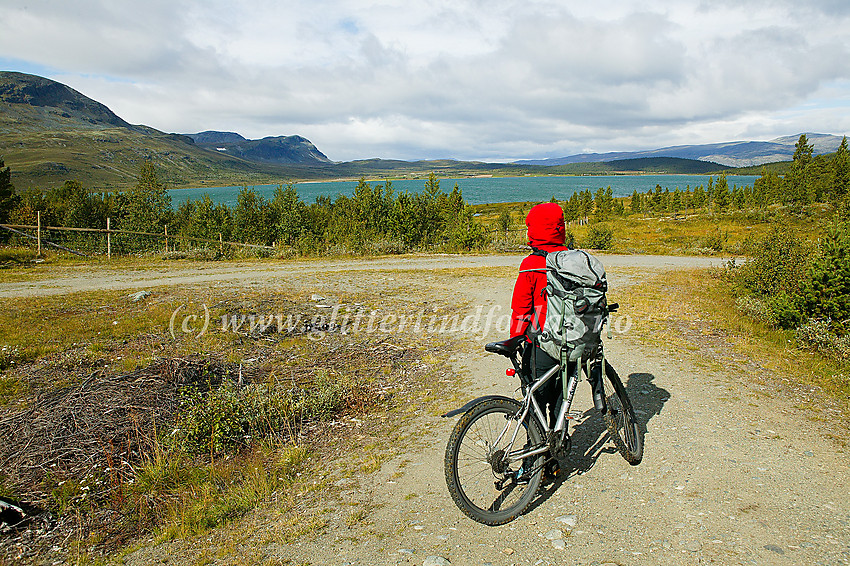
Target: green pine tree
(9, 200)
(148, 204)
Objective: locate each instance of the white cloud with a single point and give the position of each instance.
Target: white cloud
(452, 78)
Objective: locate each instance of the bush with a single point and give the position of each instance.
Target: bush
(230, 417)
(776, 276)
(16, 255)
(599, 237)
(826, 293)
(817, 336)
(788, 282)
(714, 241)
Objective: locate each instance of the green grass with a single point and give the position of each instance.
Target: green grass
(16, 255)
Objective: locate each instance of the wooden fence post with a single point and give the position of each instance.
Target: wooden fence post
(220, 244)
(108, 240)
(166, 238)
(38, 216)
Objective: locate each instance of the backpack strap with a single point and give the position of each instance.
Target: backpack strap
(541, 253)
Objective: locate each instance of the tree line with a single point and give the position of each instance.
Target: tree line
(810, 179)
(375, 219)
(378, 219)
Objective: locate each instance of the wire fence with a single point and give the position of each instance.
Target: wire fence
(90, 242)
(87, 242)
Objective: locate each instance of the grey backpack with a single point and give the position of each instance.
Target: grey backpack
(576, 306)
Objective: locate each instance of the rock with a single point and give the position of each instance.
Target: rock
(554, 534)
(317, 298)
(136, 297)
(559, 544)
(508, 551)
(436, 561)
(774, 548)
(692, 545)
(568, 520)
(407, 551)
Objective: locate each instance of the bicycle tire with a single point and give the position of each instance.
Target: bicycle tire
(471, 476)
(620, 419)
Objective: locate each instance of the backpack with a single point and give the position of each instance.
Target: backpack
(576, 305)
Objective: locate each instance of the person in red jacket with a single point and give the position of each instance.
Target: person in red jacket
(546, 233)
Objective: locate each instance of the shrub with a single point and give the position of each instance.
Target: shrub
(714, 241)
(599, 237)
(776, 274)
(817, 336)
(503, 221)
(229, 417)
(756, 308)
(826, 293)
(16, 255)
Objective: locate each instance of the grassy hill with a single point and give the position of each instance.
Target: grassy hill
(50, 133)
(654, 165)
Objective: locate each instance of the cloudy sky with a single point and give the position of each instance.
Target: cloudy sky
(467, 79)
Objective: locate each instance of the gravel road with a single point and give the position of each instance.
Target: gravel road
(85, 278)
(730, 475)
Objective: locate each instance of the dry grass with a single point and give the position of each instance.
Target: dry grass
(694, 312)
(686, 233)
(93, 342)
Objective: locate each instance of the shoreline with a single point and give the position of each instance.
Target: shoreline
(381, 180)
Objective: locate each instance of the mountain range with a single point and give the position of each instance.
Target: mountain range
(50, 133)
(731, 154)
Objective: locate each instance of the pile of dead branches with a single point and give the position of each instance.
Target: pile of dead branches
(97, 429)
(76, 448)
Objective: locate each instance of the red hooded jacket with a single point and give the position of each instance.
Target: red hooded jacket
(546, 231)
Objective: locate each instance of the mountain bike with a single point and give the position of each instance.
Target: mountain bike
(499, 448)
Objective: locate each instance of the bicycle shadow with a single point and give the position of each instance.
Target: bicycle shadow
(590, 437)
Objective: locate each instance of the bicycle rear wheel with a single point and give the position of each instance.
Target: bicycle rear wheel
(620, 418)
(484, 481)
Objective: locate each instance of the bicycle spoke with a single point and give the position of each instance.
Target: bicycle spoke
(482, 478)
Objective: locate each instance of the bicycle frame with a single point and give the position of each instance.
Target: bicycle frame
(529, 404)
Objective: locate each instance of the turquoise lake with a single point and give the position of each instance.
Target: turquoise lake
(479, 190)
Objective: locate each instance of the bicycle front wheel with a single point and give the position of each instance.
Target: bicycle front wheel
(485, 478)
(620, 418)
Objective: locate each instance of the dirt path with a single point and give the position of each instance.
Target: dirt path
(729, 476)
(42, 281)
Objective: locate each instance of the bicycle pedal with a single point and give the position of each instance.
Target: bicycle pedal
(574, 415)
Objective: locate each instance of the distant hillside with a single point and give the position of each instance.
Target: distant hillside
(729, 154)
(655, 165)
(282, 150)
(50, 133)
(212, 139)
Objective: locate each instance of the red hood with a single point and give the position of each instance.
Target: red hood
(546, 226)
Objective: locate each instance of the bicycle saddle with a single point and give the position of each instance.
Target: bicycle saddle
(506, 347)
